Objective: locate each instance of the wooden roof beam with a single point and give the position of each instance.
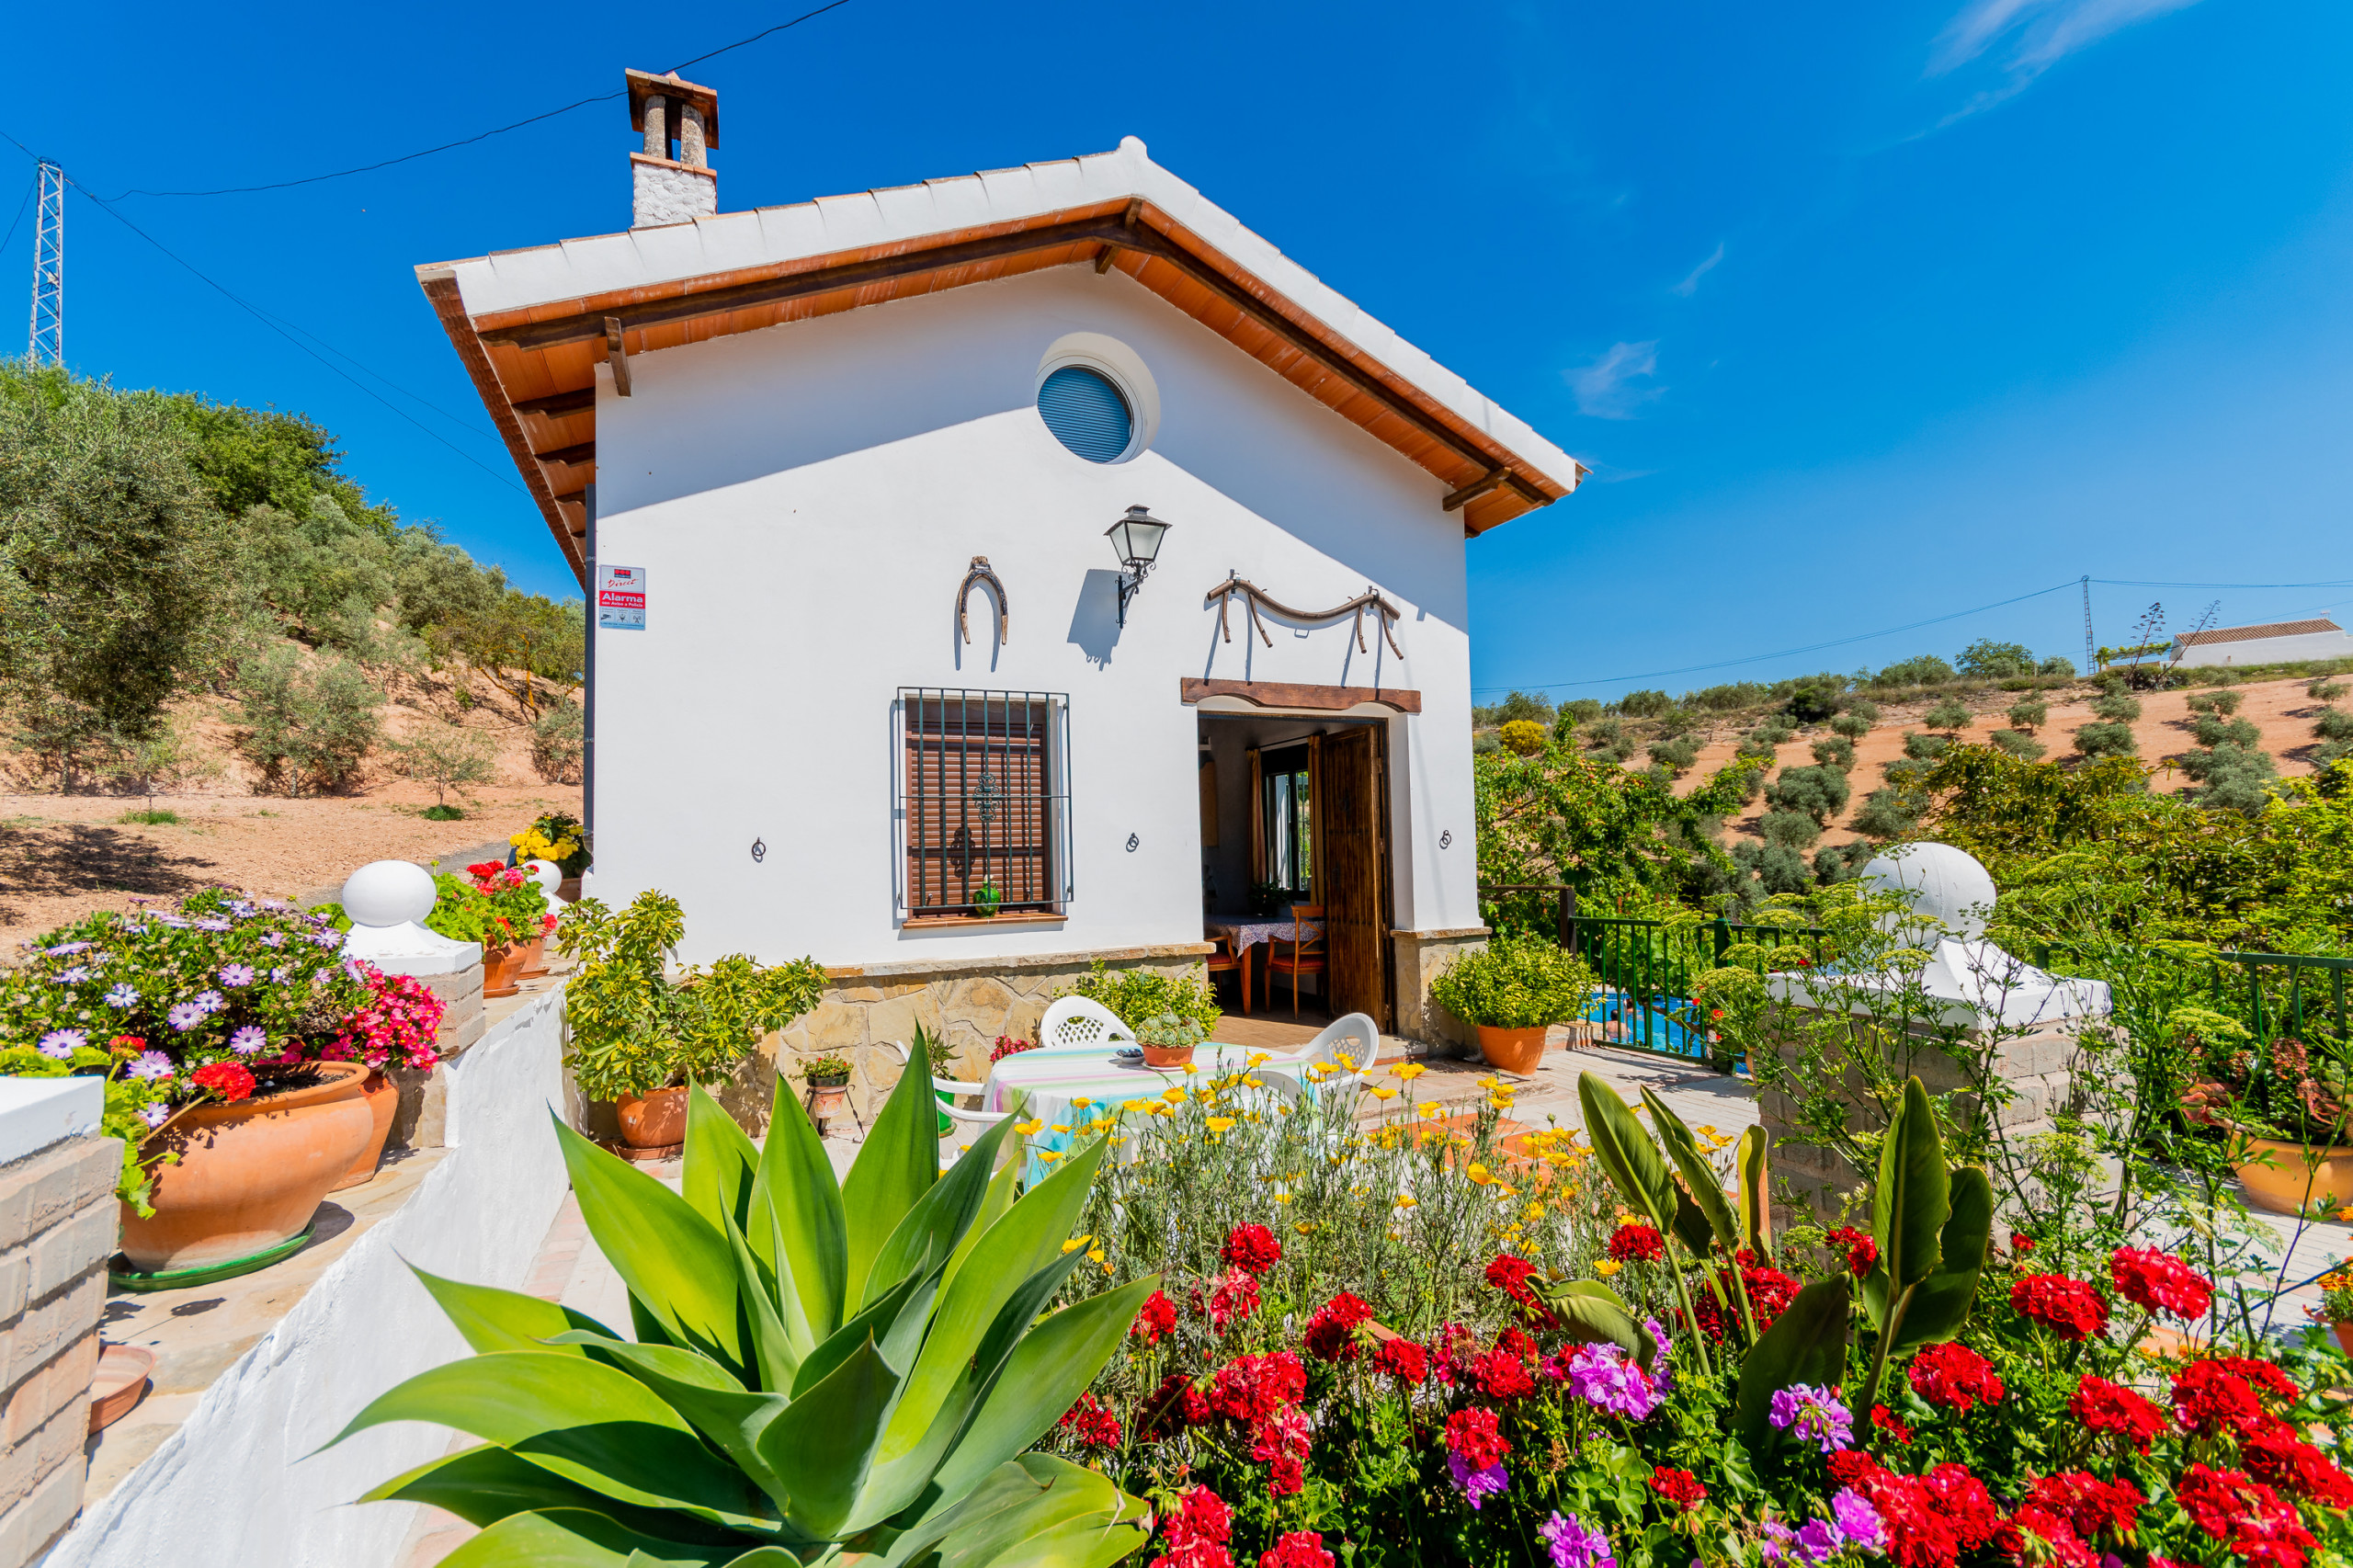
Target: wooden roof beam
(1476, 488)
(571, 401)
(585, 452)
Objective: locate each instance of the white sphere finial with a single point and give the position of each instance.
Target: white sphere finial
(1940, 882)
(388, 892)
(546, 873)
(1133, 144)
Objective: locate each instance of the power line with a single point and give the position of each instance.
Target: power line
(469, 141)
(18, 221)
(2130, 583)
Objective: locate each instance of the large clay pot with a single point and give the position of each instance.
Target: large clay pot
(383, 1099)
(1519, 1052)
(251, 1174)
(535, 958)
(653, 1121)
(2344, 1332)
(501, 967)
(2298, 1176)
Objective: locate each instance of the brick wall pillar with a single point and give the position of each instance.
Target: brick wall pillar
(58, 1224)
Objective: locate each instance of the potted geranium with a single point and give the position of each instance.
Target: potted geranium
(636, 1033)
(2336, 1307)
(2283, 1106)
(225, 1030)
(517, 901)
(1512, 991)
(463, 913)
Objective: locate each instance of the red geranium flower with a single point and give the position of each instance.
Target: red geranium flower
(1174, 1403)
(1404, 1359)
(1331, 1332)
(1477, 1437)
(2089, 1504)
(2160, 1281)
(1860, 1250)
(1286, 1476)
(1234, 1299)
(1197, 1529)
(1769, 1293)
(1157, 1317)
(1510, 1275)
(2211, 1397)
(1252, 1388)
(1296, 1548)
(2104, 1407)
(1930, 1518)
(2068, 1308)
(1636, 1243)
(1251, 1248)
(1092, 1423)
(1499, 1374)
(1953, 1376)
(226, 1079)
(1679, 1488)
(2021, 1242)
(1887, 1422)
(2244, 1517)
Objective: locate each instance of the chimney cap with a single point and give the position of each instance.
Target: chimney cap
(645, 85)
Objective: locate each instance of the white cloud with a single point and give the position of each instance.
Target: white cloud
(1603, 388)
(2040, 33)
(1692, 282)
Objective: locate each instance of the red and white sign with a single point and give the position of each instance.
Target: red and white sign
(620, 598)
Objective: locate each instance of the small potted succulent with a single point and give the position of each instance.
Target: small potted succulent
(1511, 991)
(1168, 1040)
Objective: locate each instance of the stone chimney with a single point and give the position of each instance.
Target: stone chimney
(671, 181)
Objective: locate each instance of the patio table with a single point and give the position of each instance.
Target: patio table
(1053, 1083)
(1247, 932)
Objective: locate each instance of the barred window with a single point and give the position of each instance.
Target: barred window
(984, 802)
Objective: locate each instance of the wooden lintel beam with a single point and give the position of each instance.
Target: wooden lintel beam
(1127, 221)
(1476, 488)
(585, 452)
(571, 401)
(532, 335)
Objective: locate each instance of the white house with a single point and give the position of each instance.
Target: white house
(849, 476)
(2276, 642)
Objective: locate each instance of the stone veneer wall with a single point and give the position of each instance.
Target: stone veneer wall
(1421, 956)
(2040, 1067)
(968, 1001)
(58, 1222)
(421, 1120)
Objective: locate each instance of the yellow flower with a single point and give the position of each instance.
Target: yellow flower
(1135, 1107)
(1282, 1198)
(1428, 1109)
(1061, 1126)
(1028, 1128)
(1050, 1155)
(1076, 1243)
(1491, 1082)
(1318, 1071)
(1253, 1082)
(1479, 1173)
(1407, 1201)
(1081, 1103)
(1115, 1141)
(1305, 1227)
(1174, 1096)
(1191, 1067)
(1259, 1058)
(1221, 1124)
(1608, 1266)
(1161, 1108)
(1096, 1257)
(1410, 1071)
(1382, 1092)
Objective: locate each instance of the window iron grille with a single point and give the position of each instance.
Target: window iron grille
(984, 806)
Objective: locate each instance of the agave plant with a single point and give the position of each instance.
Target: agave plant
(817, 1369)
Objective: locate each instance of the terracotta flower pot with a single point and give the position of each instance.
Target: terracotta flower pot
(501, 967)
(653, 1121)
(1167, 1055)
(568, 889)
(1519, 1052)
(535, 958)
(2297, 1175)
(2344, 1332)
(251, 1174)
(828, 1096)
(383, 1099)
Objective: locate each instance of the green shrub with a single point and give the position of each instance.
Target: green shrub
(1725, 698)
(2057, 664)
(1793, 830)
(2221, 702)
(1951, 713)
(1675, 755)
(558, 737)
(1644, 704)
(446, 756)
(152, 816)
(1532, 706)
(1819, 792)
(1924, 669)
(2325, 690)
(2028, 713)
(308, 722)
(1891, 813)
(1840, 862)
(1584, 711)
(1516, 983)
(1812, 705)
(1777, 868)
(2237, 778)
(2019, 745)
(1134, 996)
(2118, 708)
(2212, 731)
(1925, 748)
(1755, 744)
(1988, 660)
(2333, 724)
(1837, 752)
(2108, 740)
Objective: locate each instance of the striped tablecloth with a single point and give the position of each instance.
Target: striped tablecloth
(1054, 1082)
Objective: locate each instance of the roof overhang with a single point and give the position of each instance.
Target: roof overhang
(531, 326)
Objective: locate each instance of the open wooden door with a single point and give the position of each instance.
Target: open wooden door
(1352, 870)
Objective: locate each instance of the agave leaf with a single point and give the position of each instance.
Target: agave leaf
(796, 1199)
(577, 1538)
(676, 1266)
(873, 1324)
(721, 1165)
(821, 1446)
(1941, 1303)
(713, 1402)
(897, 1165)
(595, 1426)
(1807, 1344)
(1750, 1164)
(1700, 1178)
(942, 1218)
(774, 1351)
(1626, 1151)
(765, 1557)
(486, 1484)
(1911, 1199)
(1004, 1187)
(1042, 1375)
(1033, 1510)
(492, 1319)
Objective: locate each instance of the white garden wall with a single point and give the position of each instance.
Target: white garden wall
(805, 500)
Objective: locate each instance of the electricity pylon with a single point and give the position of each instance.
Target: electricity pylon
(48, 339)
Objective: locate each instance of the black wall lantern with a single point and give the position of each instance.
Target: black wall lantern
(1135, 540)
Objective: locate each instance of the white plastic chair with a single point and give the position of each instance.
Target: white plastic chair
(970, 1124)
(1075, 1023)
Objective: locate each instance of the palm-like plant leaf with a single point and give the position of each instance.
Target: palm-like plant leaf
(798, 1201)
(1911, 1201)
(1807, 1344)
(577, 1538)
(1700, 1179)
(675, 1263)
(1036, 1510)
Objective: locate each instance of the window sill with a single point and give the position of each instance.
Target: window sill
(939, 922)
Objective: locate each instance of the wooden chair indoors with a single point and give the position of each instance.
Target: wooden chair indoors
(1224, 961)
(1297, 957)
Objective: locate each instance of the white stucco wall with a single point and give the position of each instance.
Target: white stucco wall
(2272, 649)
(805, 500)
(233, 1488)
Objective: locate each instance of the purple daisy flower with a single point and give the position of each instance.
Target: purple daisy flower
(73, 976)
(212, 923)
(273, 938)
(185, 1016)
(277, 976)
(65, 949)
(210, 1001)
(123, 995)
(61, 1044)
(247, 1041)
(1477, 1485)
(237, 975)
(154, 1114)
(150, 1064)
(1574, 1545)
(241, 909)
(1809, 1413)
(329, 940)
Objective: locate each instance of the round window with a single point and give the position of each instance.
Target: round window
(1088, 413)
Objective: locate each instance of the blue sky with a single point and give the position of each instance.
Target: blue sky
(1861, 315)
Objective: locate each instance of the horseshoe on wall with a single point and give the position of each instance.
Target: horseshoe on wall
(981, 572)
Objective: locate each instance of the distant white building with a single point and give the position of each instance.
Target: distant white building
(2276, 642)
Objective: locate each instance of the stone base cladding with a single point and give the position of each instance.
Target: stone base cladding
(2040, 1069)
(665, 191)
(1421, 957)
(968, 1002)
(58, 1224)
(422, 1119)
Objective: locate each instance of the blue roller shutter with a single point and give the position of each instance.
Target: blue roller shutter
(1086, 413)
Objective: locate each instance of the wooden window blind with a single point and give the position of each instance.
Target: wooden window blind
(984, 800)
